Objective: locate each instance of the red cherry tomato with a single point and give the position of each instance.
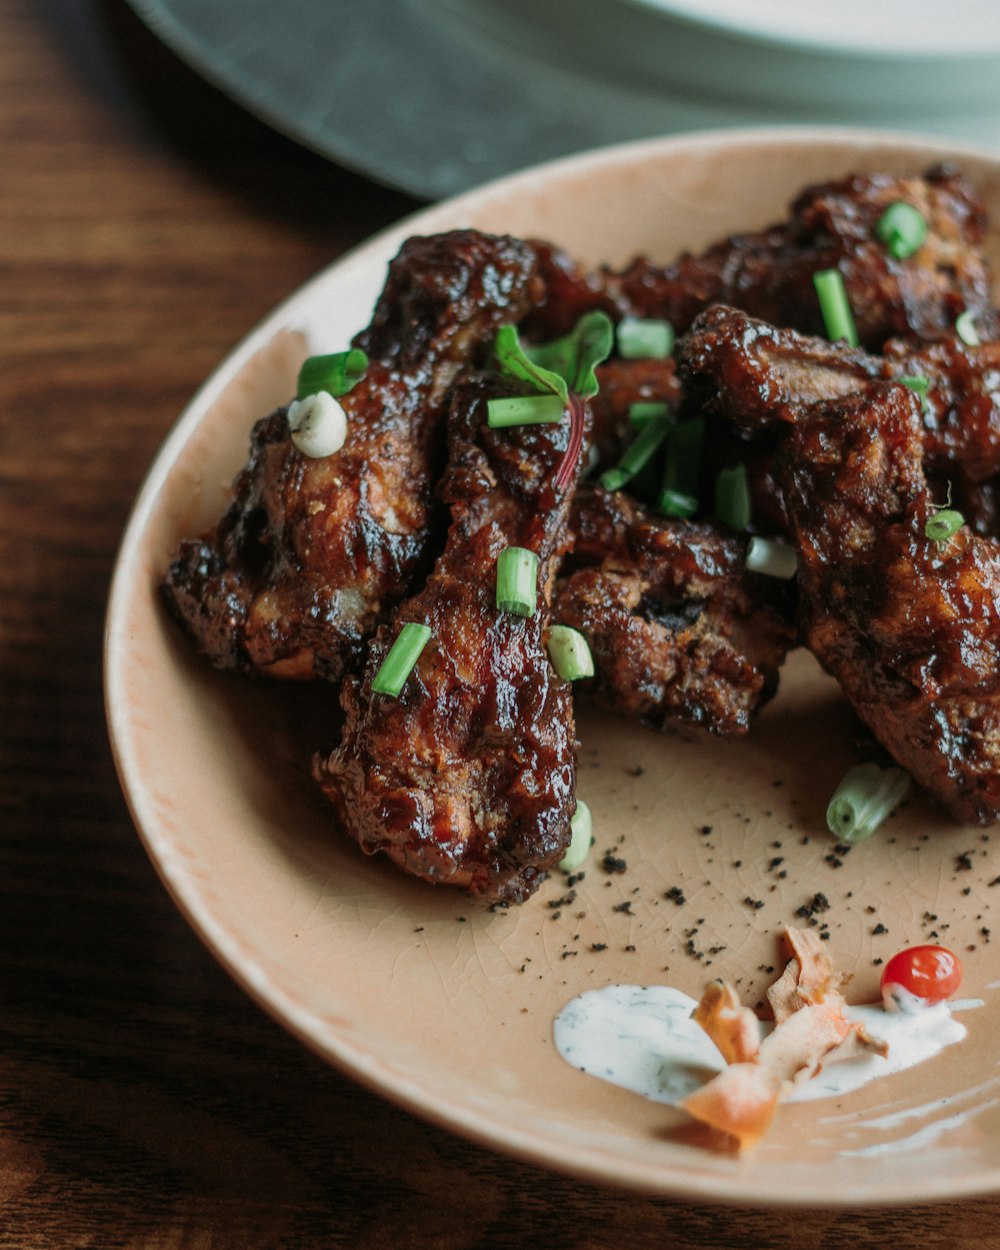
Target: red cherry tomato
(929, 972)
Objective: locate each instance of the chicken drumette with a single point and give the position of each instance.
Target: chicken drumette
(909, 625)
(313, 553)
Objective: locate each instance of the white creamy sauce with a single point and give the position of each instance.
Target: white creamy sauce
(643, 1038)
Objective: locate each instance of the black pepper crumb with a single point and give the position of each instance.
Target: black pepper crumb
(963, 862)
(625, 908)
(564, 901)
(755, 903)
(598, 946)
(879, 929)
(630, 947)
(568, 954)
(613, 863)
(676, 895)
(705, 830)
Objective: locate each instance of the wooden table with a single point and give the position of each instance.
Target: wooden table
(145, 225)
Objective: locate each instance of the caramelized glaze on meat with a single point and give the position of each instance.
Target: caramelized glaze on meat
(682, 635)
(467, 778)
(832, 226)
(312, 553)
(910, 627)
(750, 374)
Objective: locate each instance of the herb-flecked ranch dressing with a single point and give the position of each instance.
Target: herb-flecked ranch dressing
(643, 1039)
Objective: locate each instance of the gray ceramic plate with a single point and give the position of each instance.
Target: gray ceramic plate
(436, 96)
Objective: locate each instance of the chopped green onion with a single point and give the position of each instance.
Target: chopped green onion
(646, 410)
(773, 559)
(918, 383)
(902, 228)
(569, 653)
(524, 410)
(517, 581)
(732, 497)
(965, 328)
(674, 503)
(335, 374)
(942, 525)
(864, 798)
(835, 306)
(679, 493)
(644, 338)
(581, 838)
(399, 663)
(637, 455)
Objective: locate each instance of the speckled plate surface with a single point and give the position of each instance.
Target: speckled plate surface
(447, 1007)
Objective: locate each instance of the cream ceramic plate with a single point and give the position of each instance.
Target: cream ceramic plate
(447, 1007)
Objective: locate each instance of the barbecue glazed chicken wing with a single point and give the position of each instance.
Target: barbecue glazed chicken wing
(313, 553)
(909, 626)
(467, 778)
(683, 635)
(832, 226)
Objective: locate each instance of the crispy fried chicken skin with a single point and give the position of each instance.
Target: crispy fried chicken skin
(312, 553)
(683, 636)
(909, 626)
(770, 273)
(467, 778)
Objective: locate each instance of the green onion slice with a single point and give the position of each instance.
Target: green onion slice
(679, 494)
(642, 338)
(524, 410)
(400, 661)
(646, 410)
(773, 559)
(965, 328)
(864, 798)
(581, 838)
(336, 374)
(943, 524)
(918, 383)
(570, 653)
(732, 497)
(902, 228)
(835, 306)
(517, 581)
(637, 455)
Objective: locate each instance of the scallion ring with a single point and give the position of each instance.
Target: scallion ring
(317, 425)
(835, 306)
(524, 410)
(581, 838)
(640, 338)
(517, 581)
(336, 374)
(637, 455)
(965, 328)
(570, 653)
(401, 659)
(943, 525)
(919, 384)
(644, 411)
(678, 495)
(902, 228)
(865, 797)
(771, 558)
(732, 497)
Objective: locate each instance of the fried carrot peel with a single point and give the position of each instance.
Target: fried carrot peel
(810, 1029)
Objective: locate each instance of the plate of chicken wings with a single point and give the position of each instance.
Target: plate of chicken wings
(601, 402)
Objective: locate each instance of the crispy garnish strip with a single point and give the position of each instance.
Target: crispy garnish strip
(733, 1028)
(810, 1030)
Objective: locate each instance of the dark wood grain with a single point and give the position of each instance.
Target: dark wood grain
(145, 225)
